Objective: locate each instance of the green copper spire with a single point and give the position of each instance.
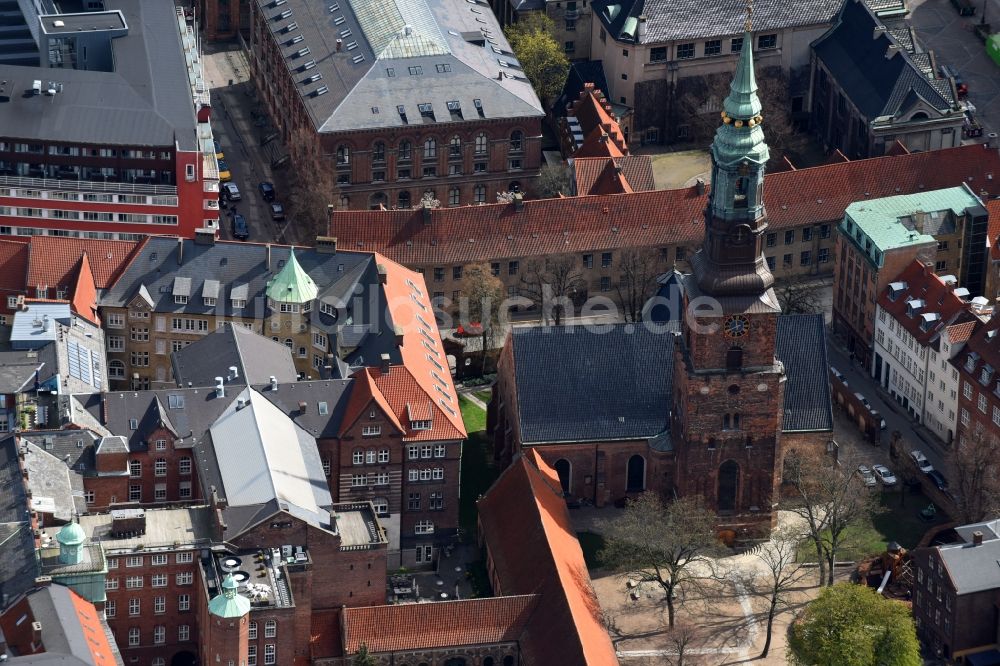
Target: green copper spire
(229, 604)
(71, 538)
(292, 284)
(740, 138)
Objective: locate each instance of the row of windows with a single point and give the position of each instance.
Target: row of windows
(712, 47)
(270, 630)
(90, 197)
(431, 171)
(156, 560)
(404, 199)
(404, 149)
(135, 493)
(86, 215)
(436, 502)
(159, 635)
(160, 464)
(159, 606)
(156, 580)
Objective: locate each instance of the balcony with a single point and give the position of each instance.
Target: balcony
(85, 186)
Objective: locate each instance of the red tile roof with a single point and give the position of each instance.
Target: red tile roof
(93, 632)
(84, 299)
(13, 271)
(437, 625)
(534, 549)
(594, 114)
(993, 234)
(603, 175)
(599, 142)
(985, 343)
(649, 219)
(923, 284)
(54, 260)
(363, 393)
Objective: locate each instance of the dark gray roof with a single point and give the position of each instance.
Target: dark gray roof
(877, 85)
(575, 384)
(255, 357)
(17, 370)
(801, 345)
(670, 20)
(990, 530)
(334, 393)
(972, 568)
(17, 545)
(146, 101)
(355, 79)
(51, 483)
(71, 23)
(73, 447)
(351, 280)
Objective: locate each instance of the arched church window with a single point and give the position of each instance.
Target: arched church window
(729, 477)
(563, 468)
(636, 474)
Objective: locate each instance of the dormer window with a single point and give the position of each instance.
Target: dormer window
(927, 320)
(986, 374)
(180, 300)
(970, 361)
(239, 303)
(209, 301)
(895, 289)
(420, 425)
(913, 307)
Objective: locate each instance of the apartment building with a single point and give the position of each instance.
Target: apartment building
(90, 145)
(923, 321)
(878, 238)
(439, 106)
(979, 397)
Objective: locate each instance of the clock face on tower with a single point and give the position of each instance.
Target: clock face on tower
(736, 326)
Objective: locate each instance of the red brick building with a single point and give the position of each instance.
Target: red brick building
(439, 108)
(100, 149)
(979, 384)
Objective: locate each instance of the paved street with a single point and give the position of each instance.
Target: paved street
(235, 128)
(950, 36)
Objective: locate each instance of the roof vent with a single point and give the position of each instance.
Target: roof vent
(407, 30)
(241, 403)
(220, 388)
(274, 382)
(234, 372)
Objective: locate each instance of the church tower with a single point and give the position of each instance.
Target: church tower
(728, 384)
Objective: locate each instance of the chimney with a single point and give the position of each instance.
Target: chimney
(43, 581)
(383, 364)
(274, 382)
(928, 268)
(398, 332)
(302, 407)
(46, 324)
(699, 186)
(382, 274)
(234, 372)
(36, 634)
(220, 388)
(977, 538)
(204, 237)
(891, 51)
(428, 214)
(267, 257)
(518, 201)
(180, 251)
(241, 403)
(326, 244)
(604, 137)
(340, 45)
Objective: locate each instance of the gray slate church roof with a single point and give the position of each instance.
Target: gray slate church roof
(876, 83)
(398, 53)
(575, 385)
(255, 358)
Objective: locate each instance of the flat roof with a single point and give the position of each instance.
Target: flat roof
(85, 22)
(164, 527)
(358, 525)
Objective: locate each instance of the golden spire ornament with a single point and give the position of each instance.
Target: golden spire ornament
(748, 25)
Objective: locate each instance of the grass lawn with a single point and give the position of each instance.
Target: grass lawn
(902, 524)
(484, 395)
(478, 471)
(591, 543)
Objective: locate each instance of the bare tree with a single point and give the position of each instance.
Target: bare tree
(977, 463)
(830, 500)
(553, 282)
(665, 544)
(800, 298)
(484, 293)
(638, 269)
(776, 577)
(553, 180)
(680, 639)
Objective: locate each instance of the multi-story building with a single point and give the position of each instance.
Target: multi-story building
(922, 321)
(979, 396)
(654, 53)
(804, 208)
(571, 21)
(92, 145)
(955, 593)
(873, 86)
(439, 107)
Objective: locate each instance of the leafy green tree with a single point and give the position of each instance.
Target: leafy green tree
(540, 55)
(853, 625)
(363, 657)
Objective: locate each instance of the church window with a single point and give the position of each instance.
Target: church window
(563, 469)
(734, 358)
(734, 389)
(726, 424)
(685, 51)
(729, 476)
(636, 474)
(767, 42)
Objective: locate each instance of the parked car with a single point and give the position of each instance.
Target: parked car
(224, 175)
(884, 475)
(219, 155)
(277, 211)
(866, 475)
(863, 400)
(240, 229)
(231, 192)
(923, 464)
(938, 479)
(266, 191)
(839, 375)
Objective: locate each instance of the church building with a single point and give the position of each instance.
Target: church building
(705, 403)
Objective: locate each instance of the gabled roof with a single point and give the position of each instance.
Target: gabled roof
(13, 270)
(464, 235)
(873, 68)
(972, 568)
(55, 260)
(594, 119)
(602, 175)
(577, 385)
(800, 343)
(939, 306)
(364, 391)
(255, 357)
(599, 142)
(534, 550)
(84, 294)
(437, 625)
(993, 234)
(266, 459)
